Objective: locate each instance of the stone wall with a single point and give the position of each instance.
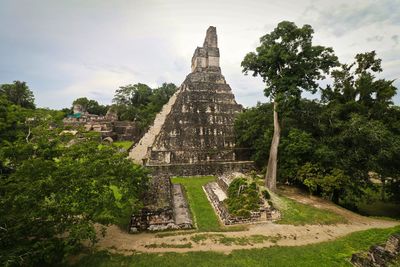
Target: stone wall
(152, 220)
(166, 208)
(199, 127)
(158, 213)
(212, 168)
(217, 192)
(127, 131)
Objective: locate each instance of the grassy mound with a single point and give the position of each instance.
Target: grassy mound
(243, 198)
(123, 144)
(296, 213)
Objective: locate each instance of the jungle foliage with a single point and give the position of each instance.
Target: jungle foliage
(140, 103)
(55, 187)
(91, 106)
(243, 197)
(335, 144)
(19, 94)
(289, 64)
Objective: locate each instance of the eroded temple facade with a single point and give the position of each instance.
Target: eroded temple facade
(196, 127)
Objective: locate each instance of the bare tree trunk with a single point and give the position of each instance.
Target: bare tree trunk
(270, 176)
(29, 134)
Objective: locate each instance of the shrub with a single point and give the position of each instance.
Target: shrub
(242, 198)
(266, 194)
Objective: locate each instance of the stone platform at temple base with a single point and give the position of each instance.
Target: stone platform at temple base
(217, 192)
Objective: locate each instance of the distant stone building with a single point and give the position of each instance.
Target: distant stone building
(78, 109)
(194, 132)
(108, 126)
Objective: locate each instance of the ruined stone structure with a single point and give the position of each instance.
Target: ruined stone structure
(194, 134)
(108, 126)
(165, 208)
(217, 192)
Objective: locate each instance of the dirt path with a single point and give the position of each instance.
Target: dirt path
(257, 235)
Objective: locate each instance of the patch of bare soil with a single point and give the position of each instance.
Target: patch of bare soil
(274, 234)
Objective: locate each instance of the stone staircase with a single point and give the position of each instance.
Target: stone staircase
(139, 151)
(181, 209)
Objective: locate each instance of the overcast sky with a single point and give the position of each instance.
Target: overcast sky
(74, 48)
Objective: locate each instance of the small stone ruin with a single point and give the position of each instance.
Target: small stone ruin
(108, 126)
(379, 255)
(217, 193)
(192, 135)
(164, 208)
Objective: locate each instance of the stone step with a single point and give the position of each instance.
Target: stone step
(180, 206)
(218, 191)
(139, 151)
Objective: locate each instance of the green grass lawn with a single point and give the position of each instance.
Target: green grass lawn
(123, 144)
(293, 212)
(332, 253)
(202, 211)
(296, 213)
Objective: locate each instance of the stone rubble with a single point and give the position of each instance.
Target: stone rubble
(379, 256)
(181, 208)
(108, 126)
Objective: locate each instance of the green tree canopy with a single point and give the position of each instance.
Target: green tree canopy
(356, 89)
(18, 93)
(140, 103)
(91, 106)
(55, 188)
(288, 63)
(332, 146)
(135, 95)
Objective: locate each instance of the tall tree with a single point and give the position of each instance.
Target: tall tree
(362, 120)
(137, 94)
(288, 63)
(356, 90)
(18, 93)
(91, 106)
(140, 103)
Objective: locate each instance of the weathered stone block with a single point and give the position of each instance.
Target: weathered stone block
(393, 244)
(362, 259)
(380, 255)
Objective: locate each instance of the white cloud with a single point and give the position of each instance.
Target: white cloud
(97, 84)
(72, 48)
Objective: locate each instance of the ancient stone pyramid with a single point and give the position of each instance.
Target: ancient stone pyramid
(194, 133)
